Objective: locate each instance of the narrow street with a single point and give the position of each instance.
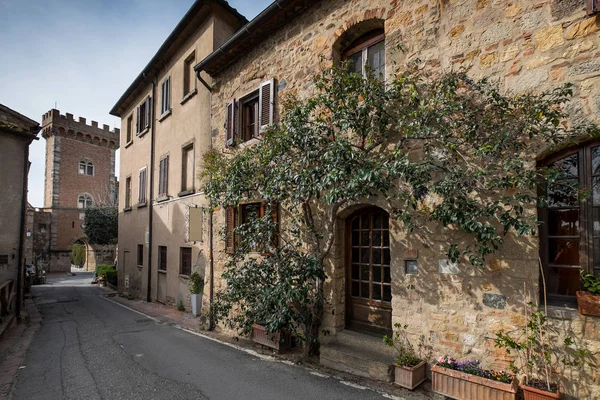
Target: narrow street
(90, 348)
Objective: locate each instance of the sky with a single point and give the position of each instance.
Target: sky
(81, 55)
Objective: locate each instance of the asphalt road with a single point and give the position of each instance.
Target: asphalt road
(91, 348)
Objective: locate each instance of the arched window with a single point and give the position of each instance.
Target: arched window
(84, 201)
(86, 168)
(367, 52)
(570, 228)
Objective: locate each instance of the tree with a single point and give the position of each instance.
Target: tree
(78, 254)
(102, 225)
(449, 150)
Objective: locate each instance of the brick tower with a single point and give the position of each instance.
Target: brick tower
(80, 172)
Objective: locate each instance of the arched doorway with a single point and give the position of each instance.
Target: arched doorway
(79, 253)
(368, 275)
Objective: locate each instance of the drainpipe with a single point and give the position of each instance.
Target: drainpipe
(211, 259)
(21, 257)
(151, 198)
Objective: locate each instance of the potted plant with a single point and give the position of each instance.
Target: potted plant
(538, 355)
(588, 302)
(468, 380)
(409, 369)
(196, 284)
(279, 340)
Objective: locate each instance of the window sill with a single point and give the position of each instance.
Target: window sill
(186, 277)
(162, 199)
(164, 115)
(142, 205)
(126, 209)
(185, 193)
(128, 143)
(188, 96)
(162, 271)
(249, 143)
(140, 267)
(563, 312)
(142, 133)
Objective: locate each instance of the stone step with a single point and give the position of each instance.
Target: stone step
(358, 360)
(366, 341)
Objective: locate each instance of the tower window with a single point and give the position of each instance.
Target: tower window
(367, 53)
(86, 168)
(85, 201)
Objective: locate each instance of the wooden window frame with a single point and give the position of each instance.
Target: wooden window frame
(246, 104)
(183, 269)
(162, 258)
(142, 186)
(184, 170)
(143, 112)
(165, 100)
(189, 84)
(129, 128)
(363, 45)
(234, 218)
(586, 229)
(128, 192)
(163, 177)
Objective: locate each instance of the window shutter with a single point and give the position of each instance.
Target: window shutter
(161, 176)
(137, 124)
(266, 104)
(229, 230)
(237, 132)
(275, 216)
(147, 112)
(229, 124)
(166, 180)
(140, 188)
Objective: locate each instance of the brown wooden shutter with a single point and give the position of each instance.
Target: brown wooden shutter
(148, 114)
(237, 131)
(229, 124)
(166, 180)
(229, 230)
(137, 124)
(266, 104)
(275, 216)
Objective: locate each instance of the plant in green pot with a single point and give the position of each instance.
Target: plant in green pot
(588, 301)
(409, 369)
(196, 283)
(538, 356)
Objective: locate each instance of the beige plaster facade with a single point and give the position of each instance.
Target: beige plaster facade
(523, 46)
(181, 133)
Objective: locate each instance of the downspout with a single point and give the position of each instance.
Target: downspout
(151, 199)
(211, 258)
(20, 260)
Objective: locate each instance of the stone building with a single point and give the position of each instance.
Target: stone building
(16, 134)
(80, 173)
(165, 116)
(523, 46)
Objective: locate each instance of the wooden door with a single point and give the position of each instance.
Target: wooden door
(368, 277)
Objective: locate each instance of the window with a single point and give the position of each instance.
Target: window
(142, 186)
(235, 217)
(165, 104)
(570, 229)
(185, 263)
(162, 258)
(86, 168)
(250, 116)
(189, 79)
(367, 53)
(129, 128)
(163, 177)
(140, 255)
(143, 117)
(3, 259)
(128, 192)
(187, 168)
(84, 201)
(593, 6)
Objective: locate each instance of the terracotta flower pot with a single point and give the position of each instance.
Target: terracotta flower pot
(410, 377)
(277, 341)
(461, 386)
(532, 393)
(588, 304)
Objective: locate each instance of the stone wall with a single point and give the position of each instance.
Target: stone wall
(522, 46)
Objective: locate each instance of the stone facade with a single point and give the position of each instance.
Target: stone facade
(184, 125)
(522, 46)
(16, 134)
(68, 143)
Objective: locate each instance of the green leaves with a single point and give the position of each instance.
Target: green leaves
(102, 225)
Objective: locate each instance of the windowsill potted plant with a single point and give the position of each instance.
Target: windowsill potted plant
(588, 301)
(538, 355)
(196, 284)
(409, 369)
(467, 380)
